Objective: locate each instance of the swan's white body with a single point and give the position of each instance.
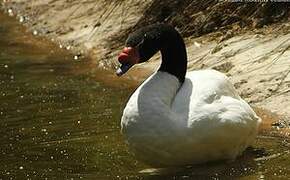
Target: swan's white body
(202, 120)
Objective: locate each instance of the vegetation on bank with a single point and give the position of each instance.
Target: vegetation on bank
(196, 18)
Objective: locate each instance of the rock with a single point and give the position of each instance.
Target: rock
(217, 48)
(197, 44)
(260, 22)
(225, 67)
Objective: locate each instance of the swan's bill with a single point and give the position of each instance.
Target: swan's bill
(123, 69)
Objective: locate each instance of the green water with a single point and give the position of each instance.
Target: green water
(58, 121)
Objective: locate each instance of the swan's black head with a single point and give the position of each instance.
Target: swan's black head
(142, 44)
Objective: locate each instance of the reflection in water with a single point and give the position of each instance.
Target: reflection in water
(58, 122)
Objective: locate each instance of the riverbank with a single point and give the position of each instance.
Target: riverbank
(256, 60)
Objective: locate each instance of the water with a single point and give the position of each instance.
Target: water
(60, 120)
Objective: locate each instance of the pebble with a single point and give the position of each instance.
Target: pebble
(197, 44)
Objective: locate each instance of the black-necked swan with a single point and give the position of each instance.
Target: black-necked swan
(176, 118)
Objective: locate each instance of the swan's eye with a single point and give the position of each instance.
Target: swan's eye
(145, 42)
(146, 38)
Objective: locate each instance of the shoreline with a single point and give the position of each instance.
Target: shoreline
(244, 57)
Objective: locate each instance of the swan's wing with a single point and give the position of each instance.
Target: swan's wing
(217, 122)
(208, 94)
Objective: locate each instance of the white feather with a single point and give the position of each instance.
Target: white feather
(203, 120)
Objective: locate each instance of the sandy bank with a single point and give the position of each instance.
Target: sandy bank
(257, 61)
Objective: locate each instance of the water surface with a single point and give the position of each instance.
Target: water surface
(58, 121)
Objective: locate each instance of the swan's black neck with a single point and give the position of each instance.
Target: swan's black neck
(165, 38)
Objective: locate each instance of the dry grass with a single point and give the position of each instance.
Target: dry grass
(196, 18)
